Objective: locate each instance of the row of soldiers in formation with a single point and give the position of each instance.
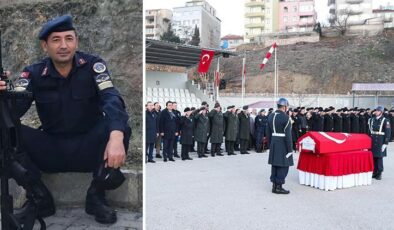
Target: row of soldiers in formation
(238, 127)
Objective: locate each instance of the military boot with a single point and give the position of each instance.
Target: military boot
(38, 196)
(280, 190)
(273, 187)
(97, 206)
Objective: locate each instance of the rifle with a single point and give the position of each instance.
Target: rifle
(9, 151)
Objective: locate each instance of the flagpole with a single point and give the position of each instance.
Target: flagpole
(217, 83)
(275, 79)
(243, 79)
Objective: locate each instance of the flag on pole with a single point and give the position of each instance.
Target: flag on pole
(217, 78)
(268, 56)
(206, 57)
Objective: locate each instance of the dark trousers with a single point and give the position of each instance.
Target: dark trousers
(175, 147)
(158, 145)
(215, 148)
(206, 143)
(185, 151)
(259, 140)
(244, 145)
(72, 153)
(149, 150)
(378, 164)
(230, 146)
(252, 141)
(168, 145)
(278, 174)
(200, 148)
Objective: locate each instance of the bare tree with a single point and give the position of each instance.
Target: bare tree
(340, 20)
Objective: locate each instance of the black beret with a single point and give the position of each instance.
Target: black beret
(302, 108)
(296, 110)
(187, 109)
(193, 108)
(270, 109)
(339, 110)
(245, 107)
(217, 105)
(58, 24)
(320, 109)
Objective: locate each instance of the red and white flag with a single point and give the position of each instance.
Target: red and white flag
(268, 56)
(217, 78)
(206, 57)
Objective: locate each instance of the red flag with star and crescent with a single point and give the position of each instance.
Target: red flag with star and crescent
(206, 57)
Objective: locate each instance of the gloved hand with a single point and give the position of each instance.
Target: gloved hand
(289, 154)
(384, 147)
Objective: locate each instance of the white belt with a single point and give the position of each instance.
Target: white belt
(278, 135)
(378, 133)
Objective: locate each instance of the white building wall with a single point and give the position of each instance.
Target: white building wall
(165, 80)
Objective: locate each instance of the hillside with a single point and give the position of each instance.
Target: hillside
(329, 66)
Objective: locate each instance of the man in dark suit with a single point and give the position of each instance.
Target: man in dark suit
(157, 111)
(177, 119)
(186, 127)
(151, 130)
(280, 141)
(244, 129)
(168, 131)
(337, 121)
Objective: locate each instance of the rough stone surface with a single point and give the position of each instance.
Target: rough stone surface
(234, 192)
(111, 29)
(69, 190)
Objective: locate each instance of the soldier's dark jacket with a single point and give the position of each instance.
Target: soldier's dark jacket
(380, 131)
(217, 126)
(244, 126)
(201, 128)
(74, 104)
(279, 139)
(231, 126)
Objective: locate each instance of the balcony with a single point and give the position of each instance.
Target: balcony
(254, 4)
(254, 25)
(254, 14)
(354, 1)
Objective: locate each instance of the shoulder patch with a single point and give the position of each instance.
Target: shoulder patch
(102, 77)
(45, 71)
(25, 74)
(99, 67)
(21, 84)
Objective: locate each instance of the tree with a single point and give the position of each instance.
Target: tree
(196, 37)
(340, 21)
(170, 36)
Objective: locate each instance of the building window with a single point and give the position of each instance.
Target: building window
(295, 9)
(286, 9)
(295, 18)
(285, 19)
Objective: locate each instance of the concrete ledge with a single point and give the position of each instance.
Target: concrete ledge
(69, 190)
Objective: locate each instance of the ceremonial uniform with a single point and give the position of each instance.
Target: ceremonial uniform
(379, 129)
(280, 142)
(217, 131)
(328, 123)
(345, 123)
(186, 126)
(201, 132)
(261, 122)
(244, 131)
(354, 123)
(231, 131)
(337, 122)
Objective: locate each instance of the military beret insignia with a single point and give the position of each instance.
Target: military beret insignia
(21, 84)
(99, 67)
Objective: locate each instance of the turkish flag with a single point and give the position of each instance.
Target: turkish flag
(206, 57)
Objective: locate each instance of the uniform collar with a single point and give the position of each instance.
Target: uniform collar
(49, 68)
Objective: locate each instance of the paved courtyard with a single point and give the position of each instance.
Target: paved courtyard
(234, 192)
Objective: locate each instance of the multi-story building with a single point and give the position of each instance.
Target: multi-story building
(261, 17)
(386, 12)
(156, 22)
(231, 41)
(296, 15)
(201, 14)
(357, 12)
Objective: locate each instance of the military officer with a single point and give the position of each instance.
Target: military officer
(201, 130)
(379, 129)
(260, 123)
(328, 120)
(84, 121)
(186, 125)
(354, 121)
(345, 120)
(244, 129)
(217, 129)
(337, 121)
(231, 129)
(280, 141)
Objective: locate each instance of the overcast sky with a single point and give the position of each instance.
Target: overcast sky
(231, 12)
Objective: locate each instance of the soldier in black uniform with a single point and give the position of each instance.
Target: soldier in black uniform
(318, 120)
(309, 119)
(354, 121)
(380, 131)
(345, 121)
(177, 119)
(280, 142)
(302, 121)
(391, 117)
(328, 120)
(84, 121)
(260, 124)
(201, 130)
(337, 121)
(363, 121)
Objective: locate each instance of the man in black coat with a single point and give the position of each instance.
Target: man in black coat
(168, 131)
(391, 117)
(345, 121)
(302, 121)
(280, 141)
(354, 121)
(186, 127)
(177, 119)
(363, 121)
(318, 120)
(380, 131)
(244, 129)
(157, 111)
(328, 120)
(260, 124)
(151, 130)
(217, 129)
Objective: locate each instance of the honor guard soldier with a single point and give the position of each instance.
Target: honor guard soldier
(83, 121)
(280, 142)
(379, 128)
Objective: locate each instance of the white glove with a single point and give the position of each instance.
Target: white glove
(384, 147)
(289, 154)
